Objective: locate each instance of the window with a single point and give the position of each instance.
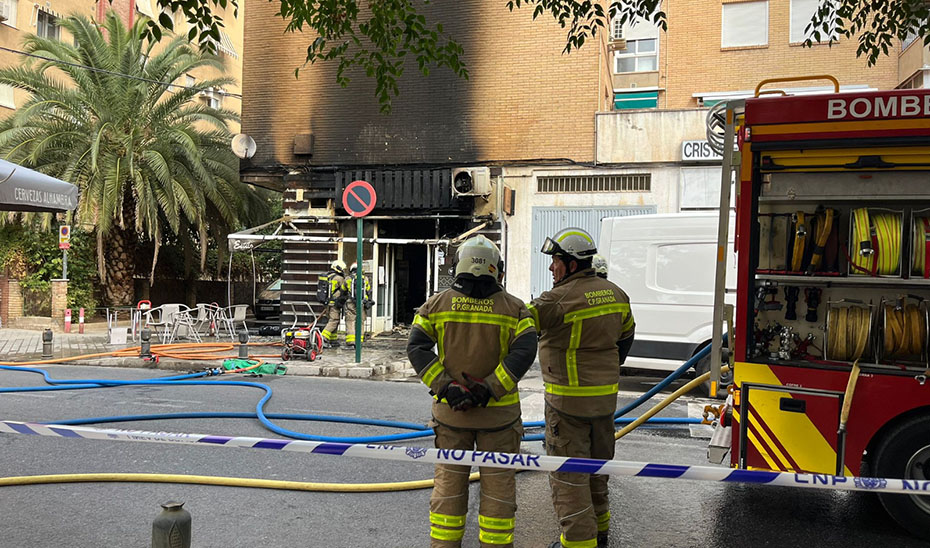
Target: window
(6, 96)
(639, 182)
(639, 56)
(802, 11)
(616, 30)
(8, 11)
(745, 24)
(190, 80)
(628, 100)
(47, 25)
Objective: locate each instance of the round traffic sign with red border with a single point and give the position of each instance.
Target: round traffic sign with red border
(359, 198)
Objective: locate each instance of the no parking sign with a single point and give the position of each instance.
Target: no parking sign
(64, 237)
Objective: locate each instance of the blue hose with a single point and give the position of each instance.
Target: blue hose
(419, 431)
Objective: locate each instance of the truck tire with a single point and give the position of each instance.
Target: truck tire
(904, 452)
(702, 367)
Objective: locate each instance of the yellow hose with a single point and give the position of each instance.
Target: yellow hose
(223, 481)
(665, 403)
(848, 332)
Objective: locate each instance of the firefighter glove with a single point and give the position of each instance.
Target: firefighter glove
(480, 391)
(457, 396)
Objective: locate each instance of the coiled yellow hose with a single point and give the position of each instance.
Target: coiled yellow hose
(905, 331)
(885, 255)
(848, 332)
(921, 227)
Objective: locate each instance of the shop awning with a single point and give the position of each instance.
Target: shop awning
(22, 189)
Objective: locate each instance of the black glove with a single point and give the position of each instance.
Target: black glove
(480, 391)
(457, 396)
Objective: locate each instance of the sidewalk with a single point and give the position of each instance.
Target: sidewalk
(382, 358)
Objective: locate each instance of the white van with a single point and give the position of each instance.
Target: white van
(666, 265)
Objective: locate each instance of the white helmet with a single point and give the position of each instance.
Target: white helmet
(600, 265)
(338, 265)
(478, 256)
(570, 242)
(354, 267)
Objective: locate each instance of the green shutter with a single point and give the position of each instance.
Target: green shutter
(636, 99)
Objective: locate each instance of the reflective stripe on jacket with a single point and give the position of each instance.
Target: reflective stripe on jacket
(336, 288)
(349, 287)
(580, 322)
(475, 336)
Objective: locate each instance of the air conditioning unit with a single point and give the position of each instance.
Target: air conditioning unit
(471, 181)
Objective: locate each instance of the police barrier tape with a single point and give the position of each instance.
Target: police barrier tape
(517, 461)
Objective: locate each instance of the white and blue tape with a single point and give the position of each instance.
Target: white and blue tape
(517, 461)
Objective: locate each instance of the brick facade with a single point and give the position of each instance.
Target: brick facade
(11, 300)
(60, 301)
(691, 58)
(523, 99)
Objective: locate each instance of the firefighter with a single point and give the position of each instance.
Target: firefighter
(486, 342)
(599, 263)
(350, 307)
(585, 332)
(336, 299)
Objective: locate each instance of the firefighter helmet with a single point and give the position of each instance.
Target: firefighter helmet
(338, 265)
(353, 268)
(600, 265)
(572, 243)
(478, 256)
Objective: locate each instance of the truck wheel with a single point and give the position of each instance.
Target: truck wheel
(702, 367)
(904, 453)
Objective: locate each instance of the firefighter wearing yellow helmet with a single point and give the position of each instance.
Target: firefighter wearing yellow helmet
(599, 264)
(585, 333)
(352, 308)
(486, 342)
(334, 299)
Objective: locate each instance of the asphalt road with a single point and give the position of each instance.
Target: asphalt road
(647, 512)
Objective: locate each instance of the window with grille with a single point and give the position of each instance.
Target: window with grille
(640, 182)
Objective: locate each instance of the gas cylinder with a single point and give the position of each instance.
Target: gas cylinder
(172, 527)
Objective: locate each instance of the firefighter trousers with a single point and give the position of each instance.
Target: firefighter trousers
(332, 314)
(580, 500)
(350, 322)
(448, 504)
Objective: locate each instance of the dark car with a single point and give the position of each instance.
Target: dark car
(269, 302)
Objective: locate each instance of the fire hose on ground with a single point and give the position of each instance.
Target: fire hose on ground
(419, 431)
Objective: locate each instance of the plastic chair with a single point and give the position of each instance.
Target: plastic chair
(183, 325)
(230, 315)
(162, 319)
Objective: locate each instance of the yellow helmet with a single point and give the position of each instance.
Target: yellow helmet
(338, 265)
(478, 256)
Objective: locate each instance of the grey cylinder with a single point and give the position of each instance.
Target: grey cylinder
(243, 344)
(172, 527)
(47, 344)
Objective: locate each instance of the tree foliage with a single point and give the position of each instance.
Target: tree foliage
(149, 159)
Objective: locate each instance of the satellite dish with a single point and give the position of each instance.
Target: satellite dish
(243, 146)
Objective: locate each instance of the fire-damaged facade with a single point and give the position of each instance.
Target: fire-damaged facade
(453, 158)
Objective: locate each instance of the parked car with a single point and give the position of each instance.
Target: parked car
(269, 302)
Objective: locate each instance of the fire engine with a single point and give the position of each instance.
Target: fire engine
(829, 341)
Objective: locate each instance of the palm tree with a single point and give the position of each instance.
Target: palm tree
(146, 156)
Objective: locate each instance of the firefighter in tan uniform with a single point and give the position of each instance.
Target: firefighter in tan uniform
(333, 311)
(585, 333)
(352, 308)
(486, 342)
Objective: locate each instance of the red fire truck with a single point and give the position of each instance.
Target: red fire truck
(830, 338)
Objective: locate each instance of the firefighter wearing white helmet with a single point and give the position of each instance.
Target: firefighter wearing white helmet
(486, 342)
(585, 333)
(335, 300)
(352, 308)
(599, 263)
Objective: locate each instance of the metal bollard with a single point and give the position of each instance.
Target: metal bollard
(243, 344)
(145, 352)
(47, 344)
(172, 527)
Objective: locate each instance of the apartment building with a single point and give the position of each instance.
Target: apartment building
(616, 128)
(20, 17)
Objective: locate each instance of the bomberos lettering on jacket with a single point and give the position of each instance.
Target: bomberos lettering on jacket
(601, 296)
(471, 304)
